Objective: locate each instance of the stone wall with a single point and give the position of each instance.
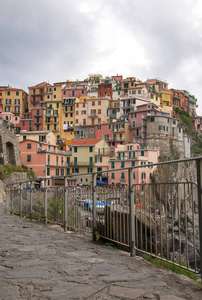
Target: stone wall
(167, 146)
(17, 177)
(9, 148)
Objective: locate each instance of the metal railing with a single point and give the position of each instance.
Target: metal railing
(162, 218)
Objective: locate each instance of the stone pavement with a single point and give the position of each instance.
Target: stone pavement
(38, 262)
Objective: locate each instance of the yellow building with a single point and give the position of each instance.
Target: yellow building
(121, 132)
(165, 98)
(14, 101)
(94, 79)
(40, 136)
(53, 107)
(90, 155)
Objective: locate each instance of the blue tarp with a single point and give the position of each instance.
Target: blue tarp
(101, 182)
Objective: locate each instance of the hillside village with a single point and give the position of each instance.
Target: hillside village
(98, 124)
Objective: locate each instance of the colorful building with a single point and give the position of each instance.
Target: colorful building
(15, 101)
(45, 160)
(90, 155)
(132, 155)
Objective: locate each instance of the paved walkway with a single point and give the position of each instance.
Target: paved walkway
(38, 262)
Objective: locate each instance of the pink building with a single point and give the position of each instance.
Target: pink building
(198, 123)
(11, 119)
(45, 160)
(132, 155)
(33, 121)
(74, 90)
(137, 121)
(104, 132)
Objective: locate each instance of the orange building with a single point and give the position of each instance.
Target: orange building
(45, 160)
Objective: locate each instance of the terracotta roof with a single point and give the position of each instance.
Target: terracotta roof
(42, 84)
(85, 142)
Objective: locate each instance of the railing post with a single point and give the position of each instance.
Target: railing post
(199, 182)
(45, 202)
(6, 199)
(11, 194)
(30, 200)
(20, 200)
(132, 213)
(94, 176)
(65, 204)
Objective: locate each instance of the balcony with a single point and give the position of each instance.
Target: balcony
(37, 115)
(81, 164)
(37, 123)
(93, 115)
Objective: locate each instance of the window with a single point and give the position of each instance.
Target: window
(112, 175)
(99, 127)
(93, 103)
(133, 164)
(99, 111)
(174, 122)
(90, 170)
(28, 157)
(75, 170)
(24, 137)
(151, 164)
(98, 159)
(48, 171)
(71, 115)
(133, 175)
(90, 149)
(57, 105)
(23, 122)
(67, 171)
(62, 172)
(133, 123)
(122, 175)
(75, 160)
(152, 119)
(54, 89)
(57, 172)
(29, 146)
(122, 164)
(112, 165)
(56, 160)
(109, 126)
(90, 160)
(75, 149)
(54, 96)
(150, 175)
(17, 93)
(143, 175)
(142, 153)
(66, 115)
(82, 92)
(8, 93)
(99, 102)
(161, 128)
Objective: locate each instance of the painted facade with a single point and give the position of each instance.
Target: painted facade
(89, 155)
(132, 155)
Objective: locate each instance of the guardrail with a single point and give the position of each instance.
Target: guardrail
(162, 218)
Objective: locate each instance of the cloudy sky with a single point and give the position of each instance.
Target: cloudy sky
(49, 40)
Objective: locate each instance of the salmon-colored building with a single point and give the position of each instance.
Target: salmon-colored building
(132, 155)
(45, 160)
(105, 89)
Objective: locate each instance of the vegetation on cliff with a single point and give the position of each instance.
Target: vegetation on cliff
(7, 170)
